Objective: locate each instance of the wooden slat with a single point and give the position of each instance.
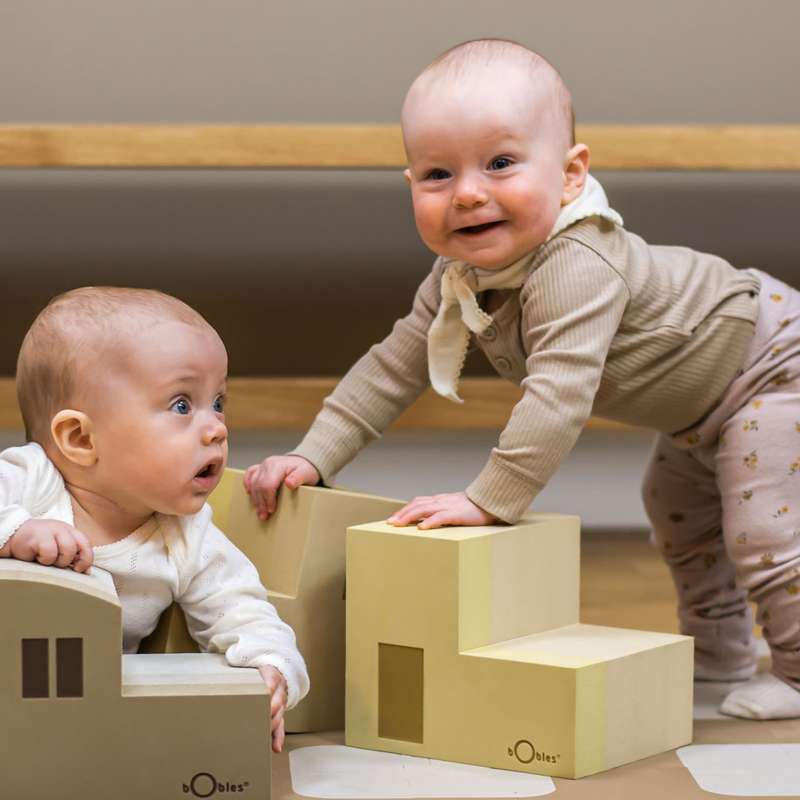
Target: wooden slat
(716, 147)
(10, 419)
(292, 403)
(201, 146)
(622, 147)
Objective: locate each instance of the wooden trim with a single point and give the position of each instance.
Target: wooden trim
(201, 146)
(10, 419)
(618, 147)
(292, 403)
(686, 147)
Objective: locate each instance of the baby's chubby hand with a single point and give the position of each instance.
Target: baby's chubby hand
(263, 481)
(454, 508)
(50, 542)
(278, 690)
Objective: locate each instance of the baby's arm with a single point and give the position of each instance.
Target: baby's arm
(227, 611)
(572, 307)
(26, 479)
(375, 391)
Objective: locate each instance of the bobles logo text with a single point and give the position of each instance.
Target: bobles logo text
(204, 784)
(526, 753)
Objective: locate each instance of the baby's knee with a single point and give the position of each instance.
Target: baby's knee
(651, 494)
(764, 565)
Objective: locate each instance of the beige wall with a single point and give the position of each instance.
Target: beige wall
(351, 60)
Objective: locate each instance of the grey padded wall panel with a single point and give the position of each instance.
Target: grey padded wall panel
(301, 271)
(352, 60)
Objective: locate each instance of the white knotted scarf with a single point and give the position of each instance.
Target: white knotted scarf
(459, 312)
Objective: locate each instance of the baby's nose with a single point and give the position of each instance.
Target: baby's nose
(215, 431)
(469, 195)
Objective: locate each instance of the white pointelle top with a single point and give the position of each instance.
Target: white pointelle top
(170, 558)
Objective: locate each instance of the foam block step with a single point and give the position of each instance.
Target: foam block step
(464, 644)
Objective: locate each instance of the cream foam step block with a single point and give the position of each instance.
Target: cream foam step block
(300, 555)
(464, 644)
(79, 725)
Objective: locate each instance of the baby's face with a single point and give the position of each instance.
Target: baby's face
(159, 422)
(485, 167)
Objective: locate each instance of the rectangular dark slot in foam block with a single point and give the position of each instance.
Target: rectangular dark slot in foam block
(35, 669)
(69, 667)
(400, 692)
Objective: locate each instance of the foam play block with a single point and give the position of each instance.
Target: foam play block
(82, 721)
(300, 555)
(464, 644)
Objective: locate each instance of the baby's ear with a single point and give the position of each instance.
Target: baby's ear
(576, 168)
(73, 435)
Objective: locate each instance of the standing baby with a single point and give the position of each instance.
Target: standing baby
(122, 393)
(538, 270)
(586, 317)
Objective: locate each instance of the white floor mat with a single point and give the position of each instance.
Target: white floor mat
(335, 771)
(755, 770)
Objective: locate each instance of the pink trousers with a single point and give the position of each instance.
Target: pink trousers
(724, 501)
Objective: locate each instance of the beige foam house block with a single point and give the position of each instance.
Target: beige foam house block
(300, 555)
(82, 721)
(464, 644)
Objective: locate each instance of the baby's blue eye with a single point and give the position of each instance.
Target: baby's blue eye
(437, 175)
(219, 405)
(500, 163)
(181, 406)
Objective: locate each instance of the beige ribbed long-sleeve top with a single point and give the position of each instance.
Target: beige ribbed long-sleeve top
(604, 324)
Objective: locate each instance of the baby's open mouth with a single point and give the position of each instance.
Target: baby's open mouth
(209, 470)
(473, 229)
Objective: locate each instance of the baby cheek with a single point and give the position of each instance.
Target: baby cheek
(429, 213)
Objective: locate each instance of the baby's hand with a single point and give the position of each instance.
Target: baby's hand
(441, 509)
(276, 684)
(263, 481)
(49, 542)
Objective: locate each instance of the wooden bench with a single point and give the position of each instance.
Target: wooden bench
(290, 404)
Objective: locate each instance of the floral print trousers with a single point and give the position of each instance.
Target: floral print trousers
(723, 498)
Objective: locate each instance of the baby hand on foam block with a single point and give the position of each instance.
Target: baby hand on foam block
(454, 508)
(51, 543)
(263, 481)
(278, 690)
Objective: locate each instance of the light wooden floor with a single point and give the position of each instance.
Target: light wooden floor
(625, 584)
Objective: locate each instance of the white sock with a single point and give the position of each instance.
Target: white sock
(763, 697)
(702, 673)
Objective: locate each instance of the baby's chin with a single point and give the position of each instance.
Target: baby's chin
(491, 258)
(489, 263)
(184, 506)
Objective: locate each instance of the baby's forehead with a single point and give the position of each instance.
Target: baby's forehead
(498, 92)
(481, 112)
(514, 88)
(504, 67)
(146, 347)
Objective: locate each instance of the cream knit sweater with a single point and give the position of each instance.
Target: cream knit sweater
(603, 324)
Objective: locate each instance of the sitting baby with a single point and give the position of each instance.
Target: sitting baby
(122, 392)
